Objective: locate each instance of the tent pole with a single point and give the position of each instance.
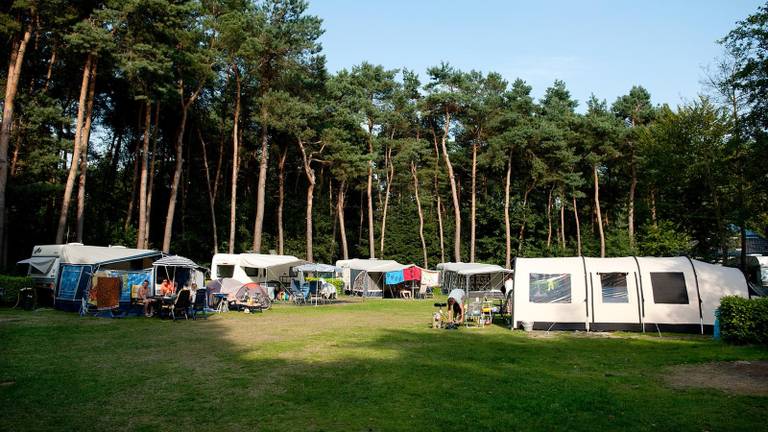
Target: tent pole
(642, 294)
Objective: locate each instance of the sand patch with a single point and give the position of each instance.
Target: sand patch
(738, 377)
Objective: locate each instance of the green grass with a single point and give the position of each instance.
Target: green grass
(354, 366)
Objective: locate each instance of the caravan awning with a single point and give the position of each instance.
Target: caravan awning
(317, 268)
(469, 269)
(268, 261)
(41, 264)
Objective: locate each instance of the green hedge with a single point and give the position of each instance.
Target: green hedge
(743, 320)
(11, 286)
(338, 283)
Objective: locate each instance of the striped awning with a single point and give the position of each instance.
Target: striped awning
(176, 261)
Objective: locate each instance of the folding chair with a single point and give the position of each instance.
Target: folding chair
(200, 303)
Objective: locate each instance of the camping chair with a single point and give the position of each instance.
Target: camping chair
(314, 293)
(182, 304)
(424, 292)
(473, 314)
(200, 303)
(297, 294)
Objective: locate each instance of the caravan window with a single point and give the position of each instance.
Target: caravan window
(225, 271)
(549, 288)
(669, 288)
(614, 287)
(252, 271)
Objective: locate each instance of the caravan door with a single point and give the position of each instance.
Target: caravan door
(614, 294)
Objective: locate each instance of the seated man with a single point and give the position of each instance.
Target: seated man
(143, 295)
(456, 306)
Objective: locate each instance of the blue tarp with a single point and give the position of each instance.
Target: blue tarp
(394, 277)
(129, 279)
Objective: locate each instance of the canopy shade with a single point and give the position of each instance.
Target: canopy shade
(472, 268)
(41, 264)
(317, 268)
(371, 265)
(176, 261)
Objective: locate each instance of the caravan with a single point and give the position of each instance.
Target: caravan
(63, 273)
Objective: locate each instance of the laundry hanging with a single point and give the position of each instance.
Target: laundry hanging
(394, 277)
(412, 273)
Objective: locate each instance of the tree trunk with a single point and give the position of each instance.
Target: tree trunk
(281, 200)
(340, 215)
(631, 210)
(311, 179)
(62, 227)
(578, 226)
(437, 195)
(369, 192)
(210, 193)
(390, 170)
(151, 186)
(141, 235)
(599, 215)
(521, 235)
(134, 185)
(653, 207)
(549, 218)
(472, 223)
(262, 184)
(11, 86)
(415, 176)
(562, 222)
(179, 164)
(85, 137)
(507, 225)
(454, 192)
(235, 165)
(51, 62)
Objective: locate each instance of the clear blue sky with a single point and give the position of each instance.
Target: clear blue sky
(601, 47)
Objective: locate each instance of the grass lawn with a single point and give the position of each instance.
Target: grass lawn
(355, 366)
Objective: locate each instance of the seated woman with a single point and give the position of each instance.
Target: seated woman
(144, 297)
(456, 306)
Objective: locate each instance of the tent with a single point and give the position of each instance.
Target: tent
(366, 277)
(178, 269)
(472, 277)
(252, 267)
(66, 270)
(628, 293)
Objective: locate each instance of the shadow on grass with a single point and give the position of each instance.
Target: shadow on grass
(336, 371)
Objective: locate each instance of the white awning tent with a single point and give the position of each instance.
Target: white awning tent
(178, 269)
(471, 276)
(365, 277)
(632, 293)
(252, 267)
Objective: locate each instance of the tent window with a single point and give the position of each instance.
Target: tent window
(550, 288)
(225, 271)
(614, 287)
(669, 288)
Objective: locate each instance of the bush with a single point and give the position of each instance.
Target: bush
(744, 320)
(11, 285)
(337, 282)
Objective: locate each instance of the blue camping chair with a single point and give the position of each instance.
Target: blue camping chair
(297, 293)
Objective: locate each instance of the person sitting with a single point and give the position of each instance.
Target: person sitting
(167, 288)
(456, 306)
(144, 297)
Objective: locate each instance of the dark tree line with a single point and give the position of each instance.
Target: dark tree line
(214, 125)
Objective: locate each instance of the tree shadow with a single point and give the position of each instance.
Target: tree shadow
(291, 372)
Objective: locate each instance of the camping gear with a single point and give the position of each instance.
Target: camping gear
(181, 304)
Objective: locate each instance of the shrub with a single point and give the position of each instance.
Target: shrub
(744, 320)
(11, 285)
(337, 282)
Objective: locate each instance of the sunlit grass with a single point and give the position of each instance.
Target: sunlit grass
(373, 365)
